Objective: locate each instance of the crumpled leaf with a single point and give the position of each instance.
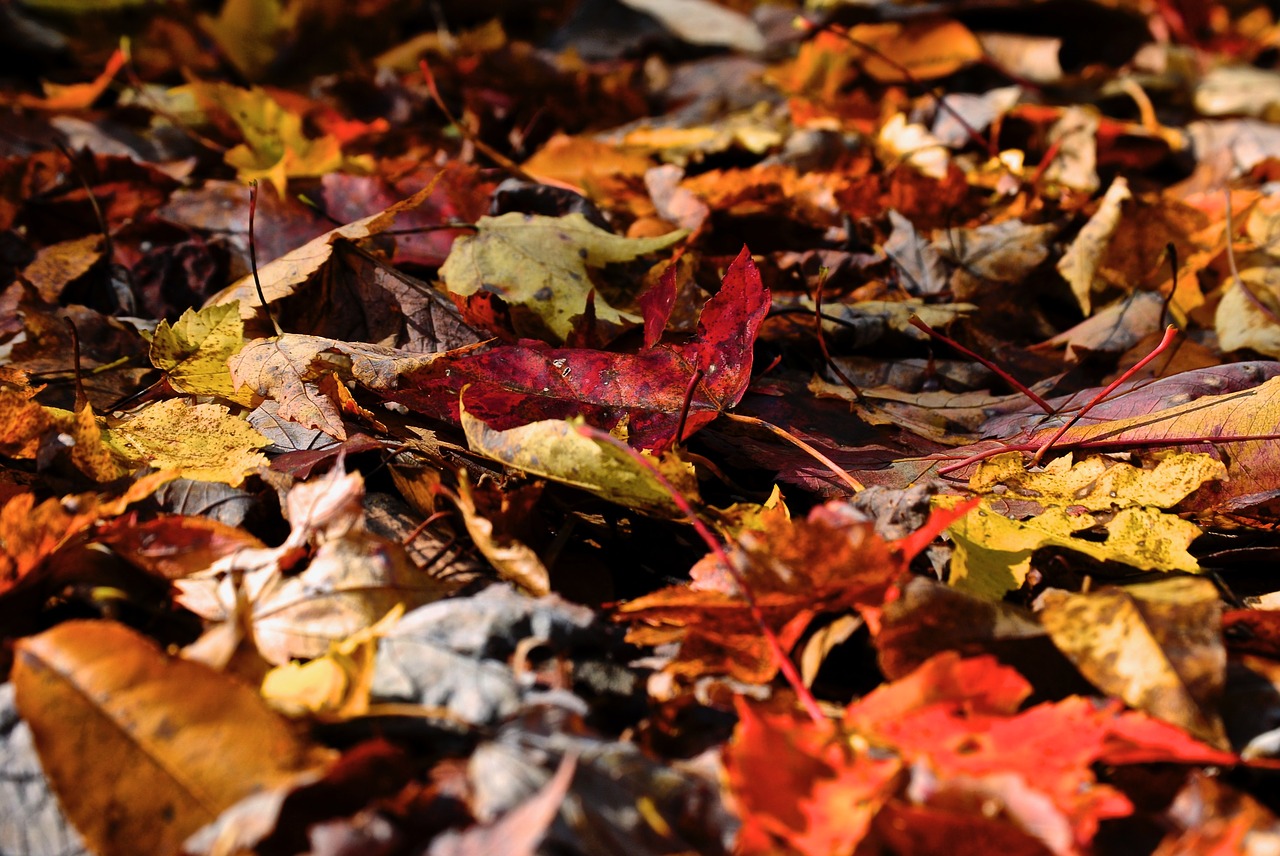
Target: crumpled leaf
(352, 580)
(555, 449)
(919, 263)
(453, 654)
(193, 352)
(512, 559)
(541, 263)
(993, 552)
(161, 745)
(1079, 264)
(1156, 645)
(513, 385)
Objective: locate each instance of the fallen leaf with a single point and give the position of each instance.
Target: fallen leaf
(993, 551)
(555, 449)
(193, 352)
(541, 263)
(193, 741)
(1156, 645)
(512, 559)
(646, 392)
(201, 441)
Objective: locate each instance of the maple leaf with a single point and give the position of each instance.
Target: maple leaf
(993, 550)
(830, 561)
(201, 441)
(949, 728)
(275, 147)
(512, 385)
(541, 263)
(193, 352)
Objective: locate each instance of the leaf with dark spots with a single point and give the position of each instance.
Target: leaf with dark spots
(514, 385)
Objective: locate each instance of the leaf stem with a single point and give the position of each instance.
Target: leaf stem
(793, 439)
(1004, 375)
(1169, 333)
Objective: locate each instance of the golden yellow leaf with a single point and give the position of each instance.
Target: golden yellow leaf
(993, 552)
(23, 424)
(338, 682)
(57, 265)
(193, 352)
(141, 748)
(1156, 645)
(203, 441)
(91, 454)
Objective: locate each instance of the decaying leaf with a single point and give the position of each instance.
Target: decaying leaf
(1156, 645)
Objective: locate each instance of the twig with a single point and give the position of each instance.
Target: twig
(253, 259)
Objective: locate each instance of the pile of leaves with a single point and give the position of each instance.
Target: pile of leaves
(639, 426)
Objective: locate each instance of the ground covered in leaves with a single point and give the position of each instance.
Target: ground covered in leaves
(639, 426)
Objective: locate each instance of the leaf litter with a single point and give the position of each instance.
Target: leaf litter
(499, 484)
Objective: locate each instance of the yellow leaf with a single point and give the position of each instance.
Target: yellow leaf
(541, 263)
(553, 448)
(993, 552)
(1158, 646)
(275, 148)
(249, 33)
(91, 454)
(193, 352)
(336, 683)
(141, 748)
(204, 441)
